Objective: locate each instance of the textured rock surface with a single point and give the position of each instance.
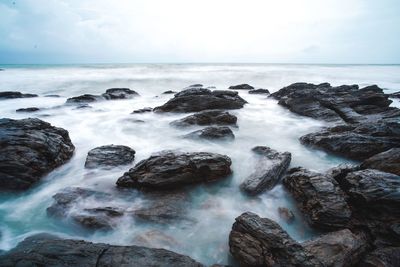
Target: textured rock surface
(382, 257)
(269, 169)
(172, 169)
(119, 93)
(30, 148)
(13, 94)
(217, 117)
(86, 98)
(388, 161)
(109, 156)
(259, 92)
(213, 133)
(142, 110)
(32, 109)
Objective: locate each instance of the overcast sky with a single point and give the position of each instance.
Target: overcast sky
(270, 31)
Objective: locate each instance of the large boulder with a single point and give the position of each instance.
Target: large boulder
(109, 156)
(13, 94)
(255, 241)
(213, 133)
(269, 169)
(198, 99)
(30, 148)
(119, 93)
(358, 141)
(382, 257)
(320, 198)
(209, 117)
(244, 86)
(48, 250)
(173, 169)
(388, 161)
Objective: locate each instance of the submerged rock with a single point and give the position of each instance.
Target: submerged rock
(213, 133)
(259, 91)
(13, 94)
(30, 148)
(119, 93)
(142, 110)
(388, 161)
(86, 98)
(169, 169)
(210, 117)
(244, 86)
(32, 109)
(269, 169)
(109, 156)
(286, 214)
(49, 250)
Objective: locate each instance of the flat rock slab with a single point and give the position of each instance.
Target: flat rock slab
(48, 250)
(244, 86)
(109, 156)
(30, 148)
(388, 161)
(13, 94)
(32, 109)
(210, 117)
(259, 92)
(169, 169)
(270, 167)
(213, 133)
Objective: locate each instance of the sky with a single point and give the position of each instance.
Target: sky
(179, 31)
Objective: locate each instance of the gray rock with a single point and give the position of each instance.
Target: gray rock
(109, 156)
(259, 91)
(119, 93)
(86, 98)
(244, 86)
(382, 257)
(13, 94)
(32, 109)
(142, 110)
(388, 161)
(210, 117)
(286, 214)
(213, 133)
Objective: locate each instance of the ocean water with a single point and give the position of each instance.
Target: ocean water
(213, 207)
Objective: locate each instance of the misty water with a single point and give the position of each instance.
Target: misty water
(212, 207)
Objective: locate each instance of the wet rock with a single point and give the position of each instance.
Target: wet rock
(86, 98)
(255, 241)
(83, 106)
(169, 92)
(270, 167)
(388, 161)
(217, 117)
(170, 169)
(320, 198)
(156, 239)
(259, 91)
(32, 109)
(338, 249)
(394, 95)
(286, 214)
(109, 156)
(49, 250)
(213, 133)
(359, 141)
(198, 99)
(30, 148)
(142, 110)
(244, 86)
(119, 93)
(13, 94)
(382, 257)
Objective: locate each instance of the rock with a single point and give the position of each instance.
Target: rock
(345, 103)
(320, 198)
(286, 214)
(198, 99)
(255, 241)
(83, 106)
(49, 250)
(394, 95)
(52, 95)
(142, 110)
(338, 249)
(156, 238)
(173, 169)
(169, 92)
(30, 148)
(382, 257)
(119, 93)
(86, 98)
(13, 94)
(359, 141)
(213, 133)
(210, 117)
(244, 86)
(270, 167)
(388, 161)
(32, 109)
(259, 91)
(109, 156)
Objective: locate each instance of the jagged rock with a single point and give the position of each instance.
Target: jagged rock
(13, 94)
(319, 197)
(109, 156)
(359, 141)
(142, 110)
(382, 257)
(30, 148)
(213, 133)
(32, 109)
(119, 93)
(217, 117)
(338, 249)
(86, 98)
(270, 167)
(198, 99)
(244, 86)
(394, 95)
(48, 250)
(255, 241)
(259, 91)
(173, 169)
(388, 161)
(286, 214)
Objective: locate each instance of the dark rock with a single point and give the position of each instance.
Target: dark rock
(13, 94)
(83, 106)
(217, 117)
(196, 85)
(388, 161)
(359, 141)
(320, 198)
(169, 92)
(86, 98)
(172, 169)
(198, 99)
(109, 156)
(394, 95)
(119, 93)
(338, 249)
(270, 167)
(32, 109)
(286, 214)
(256, 241)
(48, 250)
(241, 87)
(30, 148)
(213, 133)
(382, 257)
(259, 91)
(52, 96)
(142, 110)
